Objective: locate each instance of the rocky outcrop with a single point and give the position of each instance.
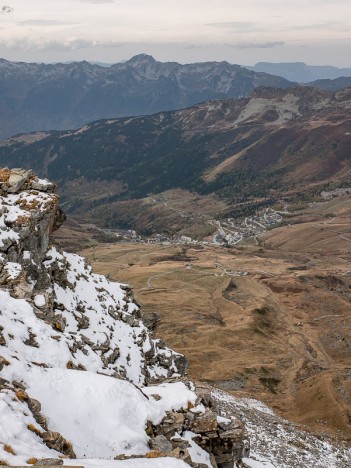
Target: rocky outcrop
(54, 283)
(64, 329)
(49, 462)
(223, 437)
(54, 440)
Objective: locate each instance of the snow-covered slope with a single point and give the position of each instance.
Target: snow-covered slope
(80, 374)
(73, 318)
(278, 443)
(58, 319)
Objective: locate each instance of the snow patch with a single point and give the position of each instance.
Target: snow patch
(13, 269)
(102, 417)
(39, 300)
(197, 454)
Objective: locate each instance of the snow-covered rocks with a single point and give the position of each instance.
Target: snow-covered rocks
(15, 179)
(56, 310)
(275, 442)
(80, 374)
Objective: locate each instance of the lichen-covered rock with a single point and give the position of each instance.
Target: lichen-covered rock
(204, 422)
(17, 178)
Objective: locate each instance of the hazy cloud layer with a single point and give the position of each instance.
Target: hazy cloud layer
(299, 30)
(242, 26)
(96, 1)
(55, 45)
(259, 45)
(42, 22)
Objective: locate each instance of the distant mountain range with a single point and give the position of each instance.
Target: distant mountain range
(63, 96)
(68, 95)
(252, 150)
(300, 72)
(332, 85)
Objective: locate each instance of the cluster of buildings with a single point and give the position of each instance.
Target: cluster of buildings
(229, 232)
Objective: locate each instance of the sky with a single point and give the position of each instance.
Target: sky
(317, 32)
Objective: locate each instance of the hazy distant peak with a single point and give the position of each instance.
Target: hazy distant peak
(285, 64)
(141, 59)
(300, 71)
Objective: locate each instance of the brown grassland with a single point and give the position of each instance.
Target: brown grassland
(280, 333)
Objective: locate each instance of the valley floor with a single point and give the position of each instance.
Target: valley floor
(270, 321)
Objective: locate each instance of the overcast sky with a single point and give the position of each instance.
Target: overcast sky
(317, 32)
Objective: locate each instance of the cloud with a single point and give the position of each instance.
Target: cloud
(6, 10)
(195, 46)
(237, 26)
(70, 44)
(327, 25)
(249, 27)
(97, 1)
(40, 22)
(240, 45)
(257, 45)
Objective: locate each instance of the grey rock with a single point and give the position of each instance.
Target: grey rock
(49, 462)
(35, 407)
(151, 320)
(162, 444)
(59, 323)
(18, 385)
(113, 312)
(42, 186)
(4, 383)
(233, 424)
(2, 339)
(114, 356)
(206, 422)
(17, 179)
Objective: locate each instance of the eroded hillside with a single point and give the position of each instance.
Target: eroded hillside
(252, 151)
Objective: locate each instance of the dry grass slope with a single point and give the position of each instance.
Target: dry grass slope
(280, 333)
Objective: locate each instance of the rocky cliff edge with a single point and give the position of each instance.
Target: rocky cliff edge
(80, 374)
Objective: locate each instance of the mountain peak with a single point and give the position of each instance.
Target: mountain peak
(141, 59)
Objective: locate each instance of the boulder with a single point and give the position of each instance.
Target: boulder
(204, 422)
(17, 179)
(162, 444)
(55, 441)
